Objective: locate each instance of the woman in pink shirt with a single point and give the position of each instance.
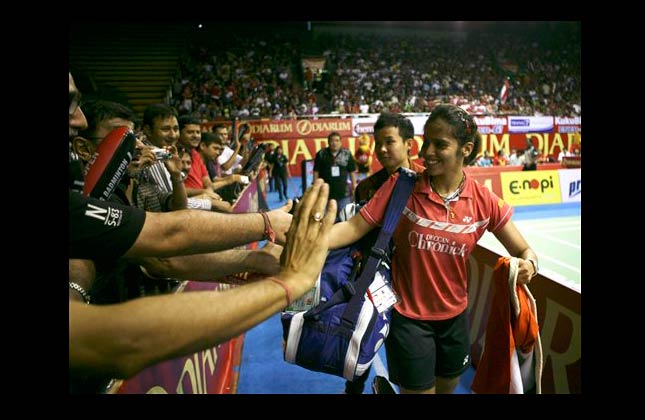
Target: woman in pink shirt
(428, 345)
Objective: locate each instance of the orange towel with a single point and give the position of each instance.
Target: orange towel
(511, 362)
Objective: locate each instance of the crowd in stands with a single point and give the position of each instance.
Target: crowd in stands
(262, 76)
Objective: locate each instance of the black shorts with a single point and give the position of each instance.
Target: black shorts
(419, 351)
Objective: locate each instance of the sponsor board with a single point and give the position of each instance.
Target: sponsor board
(570, 185)
(530, 124)
(522, 188)
(301, 139)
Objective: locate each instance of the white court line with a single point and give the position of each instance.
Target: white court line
(562, 229)
(560, 278)
(554, 239)
(550, 221)
(560, 263)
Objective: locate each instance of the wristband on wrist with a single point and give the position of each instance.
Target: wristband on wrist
(77, 287)
(268, 230)
(284, 286)
(535, 266)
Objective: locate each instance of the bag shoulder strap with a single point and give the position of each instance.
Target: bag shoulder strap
(399, 198)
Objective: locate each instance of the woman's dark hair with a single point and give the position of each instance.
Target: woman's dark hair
(464, 128)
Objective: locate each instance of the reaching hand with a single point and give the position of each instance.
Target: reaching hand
(267, 259)
(308, 236)
(280, 221)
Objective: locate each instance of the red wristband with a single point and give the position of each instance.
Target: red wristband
(268, 230)
(284, 286)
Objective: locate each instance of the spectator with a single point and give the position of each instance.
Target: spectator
(120, 340)
(334, 164)
(530, 156)
(500, 158)
(484, 160)
(514, 159)
(281, 173)
(564, 153)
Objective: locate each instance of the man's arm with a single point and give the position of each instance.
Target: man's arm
(220, 182)
(121, 340)
(83, 273)
(178, 199)
(231, 160)
(186, 232)
(214, 266)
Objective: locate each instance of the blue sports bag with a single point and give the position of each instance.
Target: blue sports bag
(343, 332)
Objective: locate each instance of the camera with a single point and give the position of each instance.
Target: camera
(161, 154)
(244, 128)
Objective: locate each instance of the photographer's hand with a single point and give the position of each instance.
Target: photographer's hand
(173, 164)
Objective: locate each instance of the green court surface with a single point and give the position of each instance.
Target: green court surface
(557, 243)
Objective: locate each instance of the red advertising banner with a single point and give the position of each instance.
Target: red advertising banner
(559, 317)
(489, 176)
(205, 372)
(288, 129)
(299, 149)
(301, 139)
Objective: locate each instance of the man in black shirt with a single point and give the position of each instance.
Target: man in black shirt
(333, 164)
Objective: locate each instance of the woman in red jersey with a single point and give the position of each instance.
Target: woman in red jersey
(446, 214)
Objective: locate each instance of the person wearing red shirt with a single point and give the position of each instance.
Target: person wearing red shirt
(446, 214)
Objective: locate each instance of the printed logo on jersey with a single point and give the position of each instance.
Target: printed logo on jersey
(448, 227)
(436, 243)
(109, 216)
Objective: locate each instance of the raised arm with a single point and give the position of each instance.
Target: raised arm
(186, 232)
(208, 267)
(120, 340)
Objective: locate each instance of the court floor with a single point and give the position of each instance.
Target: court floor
(556, 240)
